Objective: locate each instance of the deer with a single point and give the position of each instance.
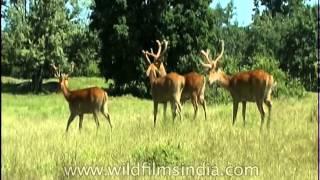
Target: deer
(82, 101)
(164, 89)
(194, 83)
(247, 86)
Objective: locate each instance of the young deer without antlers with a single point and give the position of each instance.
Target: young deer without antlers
(194, 82)
(251, 86)
(164, 89)
(83, 101)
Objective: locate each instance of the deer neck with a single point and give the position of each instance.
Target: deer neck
(162, 70)
(65, 91)
(152, 78)
(224, 80)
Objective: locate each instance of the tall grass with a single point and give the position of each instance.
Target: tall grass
(35, 145)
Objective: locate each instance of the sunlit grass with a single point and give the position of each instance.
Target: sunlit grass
(35, 145)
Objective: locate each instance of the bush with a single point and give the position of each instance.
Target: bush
(135, 88)
(161, 155)
(92, 69)
(216, 95)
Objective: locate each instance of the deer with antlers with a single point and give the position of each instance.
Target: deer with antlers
(164, 88)
(194, 82)
(83, 101)
(251, 86)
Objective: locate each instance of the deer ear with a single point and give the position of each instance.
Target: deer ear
(148, 70)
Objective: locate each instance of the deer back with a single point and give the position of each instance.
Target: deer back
(87, 100)
(250, 85)
(166, 87)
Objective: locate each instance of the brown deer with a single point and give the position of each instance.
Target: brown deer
(83, 101)
(251, 86)
(194, 82)
(165, 88)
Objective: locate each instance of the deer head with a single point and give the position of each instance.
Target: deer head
(63, 77)
(212, 65)
(152, 68)
(158, 58)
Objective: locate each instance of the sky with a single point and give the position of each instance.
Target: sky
(243, 9)
(242, 12)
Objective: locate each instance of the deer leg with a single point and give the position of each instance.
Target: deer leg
(177, 105)
(262, 113)
(173, 108)
(204, 106)
(95, 116)
(107, 116)
(71, 118)
(195, 105)
(235, 111)
(244, 112)
(269, 105)
(80, 121)
(179, 110)
(165, 110)
(155, 111)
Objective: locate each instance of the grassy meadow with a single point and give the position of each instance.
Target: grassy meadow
(35, 145)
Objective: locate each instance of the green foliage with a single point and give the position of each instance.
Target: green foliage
(286, 30)
(161, 155)
(298, 54)
(39, 33)
(217, 95)
(127, 27)
(84, 51)
(276, 7)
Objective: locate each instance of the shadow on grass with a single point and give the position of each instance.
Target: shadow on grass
(26, 87)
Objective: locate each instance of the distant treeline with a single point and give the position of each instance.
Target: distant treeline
(281, 40)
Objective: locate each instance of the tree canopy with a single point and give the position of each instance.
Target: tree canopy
(281, 39)
(39, 33)
(284, 31)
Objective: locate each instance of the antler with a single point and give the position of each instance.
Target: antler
(57, 72)
(206, 55)
(160, 53)
(155, 56)
(146, 55)
(165, 42)
(211, 62)
(221, 53)
(207, 58)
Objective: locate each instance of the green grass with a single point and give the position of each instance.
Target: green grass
(35, 145)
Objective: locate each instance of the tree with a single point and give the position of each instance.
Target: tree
(275, 7)
(287, 31)
(46, 32)
(298, 52)
(127, 27)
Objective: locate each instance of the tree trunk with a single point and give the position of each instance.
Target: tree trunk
(37, 80)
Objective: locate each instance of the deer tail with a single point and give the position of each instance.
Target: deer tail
(203, 87)
(104, 102)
